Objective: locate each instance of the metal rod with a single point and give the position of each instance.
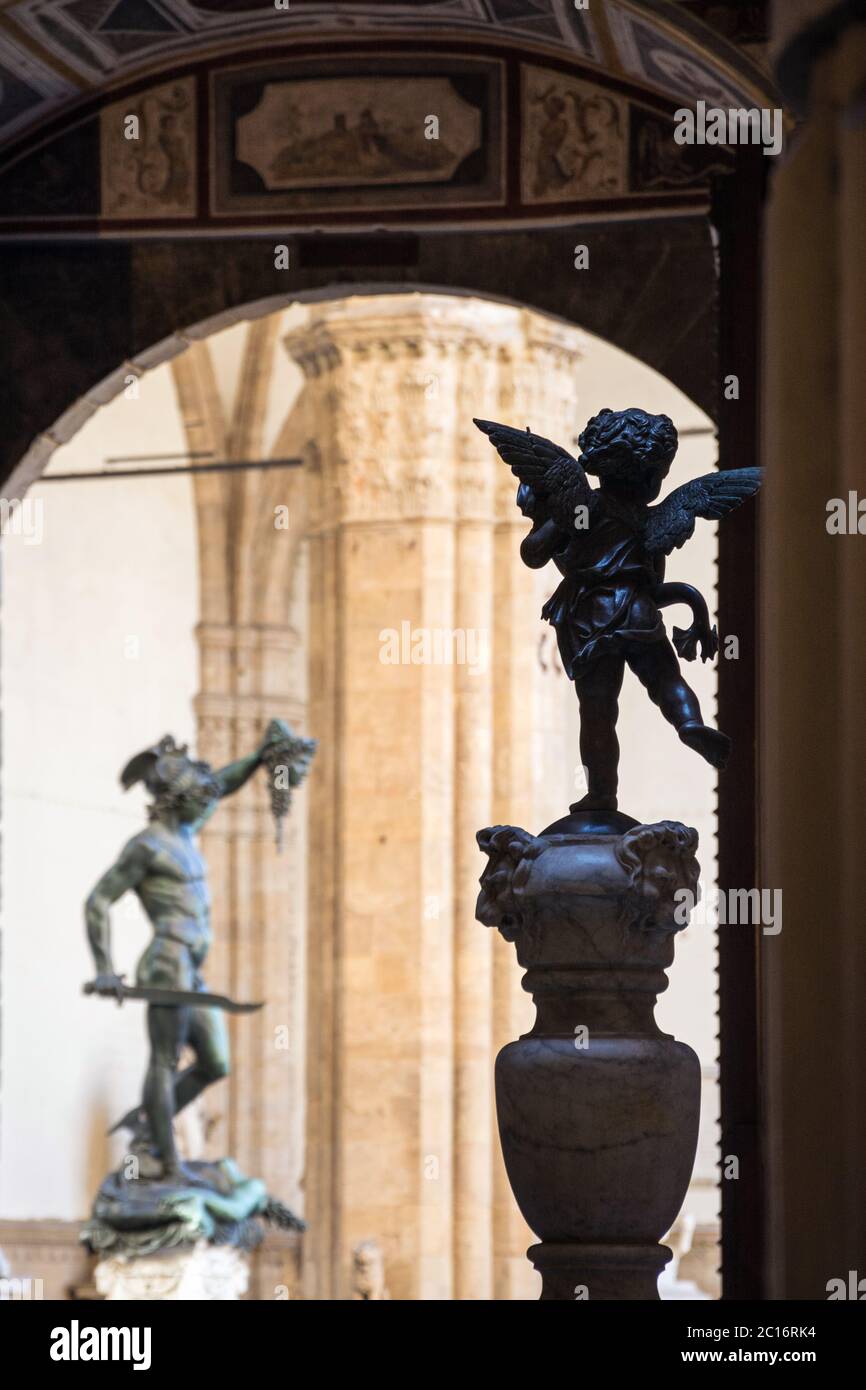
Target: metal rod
(161, 458)
(230, 467)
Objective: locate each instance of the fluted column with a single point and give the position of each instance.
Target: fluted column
(382, 378)
(474, 1152)
(407, 550)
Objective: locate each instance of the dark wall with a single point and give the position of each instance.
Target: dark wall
(73, 312)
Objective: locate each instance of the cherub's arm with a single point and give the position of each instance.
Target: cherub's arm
(556, 479)
(124, 875)
(541, 544)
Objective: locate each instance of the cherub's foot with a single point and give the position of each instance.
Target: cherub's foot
(591, 802)
(712, 744)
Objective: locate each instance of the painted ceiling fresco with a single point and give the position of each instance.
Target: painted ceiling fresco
(56, 53)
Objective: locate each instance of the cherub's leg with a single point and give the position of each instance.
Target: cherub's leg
(597, 693)
(167, 1028)
(208, 1038)
(657, 668)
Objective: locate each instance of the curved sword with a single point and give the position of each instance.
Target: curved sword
(176, 998)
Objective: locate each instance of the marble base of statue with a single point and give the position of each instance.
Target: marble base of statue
(197, 1273)
(183, 1235)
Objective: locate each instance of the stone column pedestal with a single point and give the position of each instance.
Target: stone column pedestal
(200, 1273)
(598, 1109)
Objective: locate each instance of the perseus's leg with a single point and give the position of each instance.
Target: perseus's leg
(205, 1031)
(167, 1030)
(598, 697)
(208, 1037)
(657, 668)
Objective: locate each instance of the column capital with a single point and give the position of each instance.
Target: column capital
(394, 381)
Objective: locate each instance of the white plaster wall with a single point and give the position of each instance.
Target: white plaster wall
(99, 660)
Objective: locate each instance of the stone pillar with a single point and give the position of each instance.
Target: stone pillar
(382, 377)
(473, 791)
(416, 593)
(814, 660)
(402, 528)
(252, 668)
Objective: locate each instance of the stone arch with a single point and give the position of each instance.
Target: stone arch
(35, 407)
(656, 301)
(451, 588)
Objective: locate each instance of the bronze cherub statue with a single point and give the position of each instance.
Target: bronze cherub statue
(610, 545)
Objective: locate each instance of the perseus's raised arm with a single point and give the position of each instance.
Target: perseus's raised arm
(234, 775)
(230, 779)
(124, 875)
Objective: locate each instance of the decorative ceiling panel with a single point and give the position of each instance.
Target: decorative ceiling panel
(54, 52)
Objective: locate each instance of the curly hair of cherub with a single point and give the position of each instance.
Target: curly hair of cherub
(614, 442)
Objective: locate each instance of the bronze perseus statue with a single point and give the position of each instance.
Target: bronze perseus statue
(163, 867)
(610, 544)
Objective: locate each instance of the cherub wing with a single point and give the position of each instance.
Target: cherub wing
(672, 522)
(555, 477)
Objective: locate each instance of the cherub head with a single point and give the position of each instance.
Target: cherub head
(630, 451)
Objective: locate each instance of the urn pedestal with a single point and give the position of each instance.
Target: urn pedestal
(598, 1109)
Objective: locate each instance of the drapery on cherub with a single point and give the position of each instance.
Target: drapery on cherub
(610, 545)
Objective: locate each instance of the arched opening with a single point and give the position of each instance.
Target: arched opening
(111, 248)
(92, 282)
(207, 603)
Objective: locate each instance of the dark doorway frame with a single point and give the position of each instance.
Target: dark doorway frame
(669, 308)
(736, 215)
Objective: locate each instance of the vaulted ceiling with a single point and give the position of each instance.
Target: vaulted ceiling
(56, 54)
